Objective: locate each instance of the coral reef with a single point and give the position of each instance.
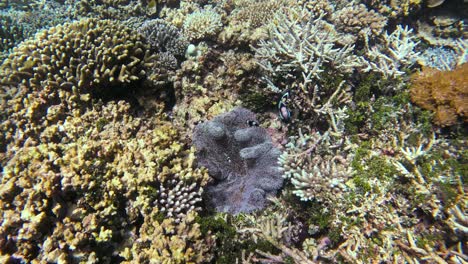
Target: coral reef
(79, 55)
(248, 21)
(443, 92)
(168, 242)
(316, 172)
(18, 25)
(202, 24)
(241, 159)
(357, 19)
(395, 53)
(125, 143)
(83, 189)
(163, 37)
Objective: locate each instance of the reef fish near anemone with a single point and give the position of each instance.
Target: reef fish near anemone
(242, 160)
(283, 111)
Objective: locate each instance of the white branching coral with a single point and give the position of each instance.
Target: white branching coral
(299, 42)
(395, 53)
(316, 169)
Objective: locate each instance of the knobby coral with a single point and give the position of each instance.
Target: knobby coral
(240, 158)
(85, 54)
(110, 177)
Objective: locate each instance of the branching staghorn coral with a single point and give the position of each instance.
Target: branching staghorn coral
(299, 42)
(301, 52)
(396, 52)
(317, 168)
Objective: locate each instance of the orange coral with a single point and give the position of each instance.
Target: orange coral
(444, 92)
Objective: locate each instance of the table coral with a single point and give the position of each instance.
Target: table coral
(240, 158)
(444, 92)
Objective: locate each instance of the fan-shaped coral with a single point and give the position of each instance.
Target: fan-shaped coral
(242, 160)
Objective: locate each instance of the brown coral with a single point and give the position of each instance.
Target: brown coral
(443, 92)
(358, 19)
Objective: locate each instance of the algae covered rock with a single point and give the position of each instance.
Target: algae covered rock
(241, 159)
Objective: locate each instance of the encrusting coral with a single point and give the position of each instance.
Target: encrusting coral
(443, 92)
(241, 159)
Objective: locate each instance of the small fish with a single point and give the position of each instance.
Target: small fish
(252, 123)
(283, 110)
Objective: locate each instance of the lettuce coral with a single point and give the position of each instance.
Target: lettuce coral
(240, 158)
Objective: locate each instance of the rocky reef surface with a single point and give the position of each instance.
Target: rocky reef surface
(233, 131)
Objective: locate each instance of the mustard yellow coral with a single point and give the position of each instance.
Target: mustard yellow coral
(85, 54)
(108, 169)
